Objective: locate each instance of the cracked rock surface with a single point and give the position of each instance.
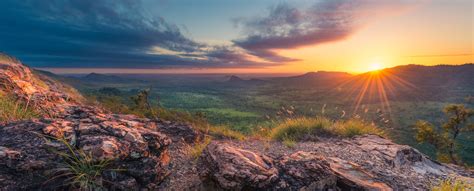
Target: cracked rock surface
(127, 142)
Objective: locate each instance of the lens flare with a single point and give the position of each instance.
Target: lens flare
(375, 66)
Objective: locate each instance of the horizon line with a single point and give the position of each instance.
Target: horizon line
(68, 70)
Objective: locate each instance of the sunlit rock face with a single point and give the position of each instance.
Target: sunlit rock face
(38, 91)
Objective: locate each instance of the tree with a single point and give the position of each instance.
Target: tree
(444, 139)
(142, 104)
(141, 100)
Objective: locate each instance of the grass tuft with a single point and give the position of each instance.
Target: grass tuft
(300, 128)
(196, 150)
(223, 132)
(289, 142)
(79, 170)
(13, 110)
(304, 128)
(353, 127)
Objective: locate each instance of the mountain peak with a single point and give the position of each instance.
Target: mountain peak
(235, 78)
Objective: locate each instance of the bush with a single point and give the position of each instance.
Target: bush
(13, 110)
(307, 128)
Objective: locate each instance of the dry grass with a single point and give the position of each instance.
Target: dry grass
(14, 110)
(453, 185)
(355, 127)
(196, 150)
(224, 132)
(302, 128)
(289, 142)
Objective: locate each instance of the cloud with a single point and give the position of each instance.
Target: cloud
(122, 34)
(100, 33)
(286, 27)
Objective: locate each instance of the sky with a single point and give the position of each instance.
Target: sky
(230, 36)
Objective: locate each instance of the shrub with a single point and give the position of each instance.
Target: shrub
(13, 110)
(307, 128)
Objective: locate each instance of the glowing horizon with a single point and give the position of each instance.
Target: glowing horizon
(238, 37)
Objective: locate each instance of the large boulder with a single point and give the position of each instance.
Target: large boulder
(232, 168)
(29, 150)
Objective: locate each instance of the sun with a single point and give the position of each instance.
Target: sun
(376, 66)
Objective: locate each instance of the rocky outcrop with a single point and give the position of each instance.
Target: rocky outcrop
(232, 168)
(363, 163)
(28, 150)
(179, 131)
(36, 154)
(37, 91)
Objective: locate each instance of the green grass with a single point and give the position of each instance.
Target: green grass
(303, 128)
(14, 110)
(229, 113)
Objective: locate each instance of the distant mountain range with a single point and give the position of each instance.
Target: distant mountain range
(408, 82)
(401, 82)
(314, 79)
(235, 80)
(95, 77)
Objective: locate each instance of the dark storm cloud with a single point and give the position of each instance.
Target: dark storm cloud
(97, 33)
(286, 27)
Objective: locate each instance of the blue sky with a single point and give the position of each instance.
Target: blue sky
(250, 34)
